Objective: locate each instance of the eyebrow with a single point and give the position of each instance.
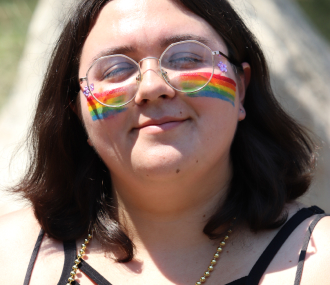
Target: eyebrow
(164, 43)
(179, 38)
(114, 50)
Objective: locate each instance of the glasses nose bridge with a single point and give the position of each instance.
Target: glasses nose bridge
(149, 57)
(158, 71)
(162, 74)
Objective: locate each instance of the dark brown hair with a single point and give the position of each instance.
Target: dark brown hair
(70, 186)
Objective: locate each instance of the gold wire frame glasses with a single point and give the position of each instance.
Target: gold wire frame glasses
(186, 66)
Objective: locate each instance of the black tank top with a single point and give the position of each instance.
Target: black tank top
(252, 279)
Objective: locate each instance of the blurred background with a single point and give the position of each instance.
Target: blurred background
(15, 16)
(295, 35)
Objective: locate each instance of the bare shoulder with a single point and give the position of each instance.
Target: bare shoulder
(18, 228)
(283, 267)
(316, 268)
(19, 231)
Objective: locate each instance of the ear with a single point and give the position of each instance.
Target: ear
(89, 141)
(75, 106)
(244, 83)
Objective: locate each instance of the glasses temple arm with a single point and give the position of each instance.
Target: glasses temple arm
(233, 61)
(82, 79)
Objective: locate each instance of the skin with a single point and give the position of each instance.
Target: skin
(151, 155)
(164, 209)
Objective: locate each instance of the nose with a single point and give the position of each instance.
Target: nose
(152, 85)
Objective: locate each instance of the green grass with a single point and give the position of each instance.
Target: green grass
(319, 12)
(15, 16)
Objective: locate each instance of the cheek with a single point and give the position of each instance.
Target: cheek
(220, 87)
(102, 123)
(105, 130)
(98, 111)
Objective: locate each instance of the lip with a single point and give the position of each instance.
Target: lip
(160, 125)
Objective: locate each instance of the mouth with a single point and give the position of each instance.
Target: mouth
(160, 125)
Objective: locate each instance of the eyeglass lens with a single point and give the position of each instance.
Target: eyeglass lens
(114, 80)
(186, 66)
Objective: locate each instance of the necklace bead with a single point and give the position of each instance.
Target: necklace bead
(75, 267)
(214, 260)
(78, 260)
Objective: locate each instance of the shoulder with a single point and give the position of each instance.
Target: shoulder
(18, 228)
(19, 231)
(316, 267)
(283, 267)
(18, 220)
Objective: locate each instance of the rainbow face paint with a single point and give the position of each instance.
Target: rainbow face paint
(220, 87)
(110, 97)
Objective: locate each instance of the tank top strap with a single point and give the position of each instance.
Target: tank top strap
(92, 273)
(69, 258)
(302, 254)
(70, 255)
(267, 256)
(33, 258)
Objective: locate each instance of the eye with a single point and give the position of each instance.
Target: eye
(118, 72)
(184, 60)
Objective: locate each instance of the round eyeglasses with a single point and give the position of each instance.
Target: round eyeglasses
(186, 66)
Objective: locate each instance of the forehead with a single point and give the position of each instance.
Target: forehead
(144, 24)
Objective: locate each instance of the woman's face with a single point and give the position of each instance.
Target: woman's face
(162, 134)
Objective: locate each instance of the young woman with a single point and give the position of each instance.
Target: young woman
(158, 145)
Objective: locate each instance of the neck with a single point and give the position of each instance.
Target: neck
(171, 214)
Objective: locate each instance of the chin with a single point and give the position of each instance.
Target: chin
(160, 165)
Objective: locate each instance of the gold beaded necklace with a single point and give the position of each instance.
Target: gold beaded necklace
(203, 279)
(207, 273)
(78, 259)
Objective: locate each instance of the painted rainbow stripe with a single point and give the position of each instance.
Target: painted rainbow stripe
(220, 87)
(99, 111)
